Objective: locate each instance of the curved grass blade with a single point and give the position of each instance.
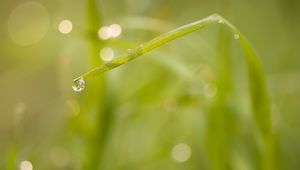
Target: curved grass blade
(257, 82)
(152, 44)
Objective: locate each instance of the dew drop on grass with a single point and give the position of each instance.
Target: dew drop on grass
(221, 21)
(78, 84)
(236, 36)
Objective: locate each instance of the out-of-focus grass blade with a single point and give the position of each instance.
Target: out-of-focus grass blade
(260, 104)
(258, 88)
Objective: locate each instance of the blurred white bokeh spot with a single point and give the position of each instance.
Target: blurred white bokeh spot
(28, 23)
(26, 165)
(104, 33)
(107, 54)
(65, 26)
(107, 32)
(20, 108)
(181, 152)
(115, 30)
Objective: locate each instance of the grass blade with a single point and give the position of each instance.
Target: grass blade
(257, 82)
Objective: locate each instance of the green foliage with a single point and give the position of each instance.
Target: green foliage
(257, 84)
(199, 98)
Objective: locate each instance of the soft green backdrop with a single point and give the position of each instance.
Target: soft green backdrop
(135, 116)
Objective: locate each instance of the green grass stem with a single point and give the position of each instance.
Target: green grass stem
(257, 82)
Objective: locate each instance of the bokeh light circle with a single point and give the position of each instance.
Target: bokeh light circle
(26, 165)
(181, 152)
(65, 26)
(107, 54)
(28, 23)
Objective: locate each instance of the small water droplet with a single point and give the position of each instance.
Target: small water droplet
(236, 36)
(78, 84)
(221, 21)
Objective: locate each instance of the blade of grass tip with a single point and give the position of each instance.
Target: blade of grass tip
(150, 45)
(257, 82)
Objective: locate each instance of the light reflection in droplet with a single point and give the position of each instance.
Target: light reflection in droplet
(104, 33)
(181, 152)
(107, 54)
(26, 165)
(65, 26)
(221, 21)
(78, 84)
(115, 30)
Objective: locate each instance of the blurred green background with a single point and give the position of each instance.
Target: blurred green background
(165, 110)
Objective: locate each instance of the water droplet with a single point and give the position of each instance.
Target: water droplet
(78, 84)
(236, 36)
(221, 21)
